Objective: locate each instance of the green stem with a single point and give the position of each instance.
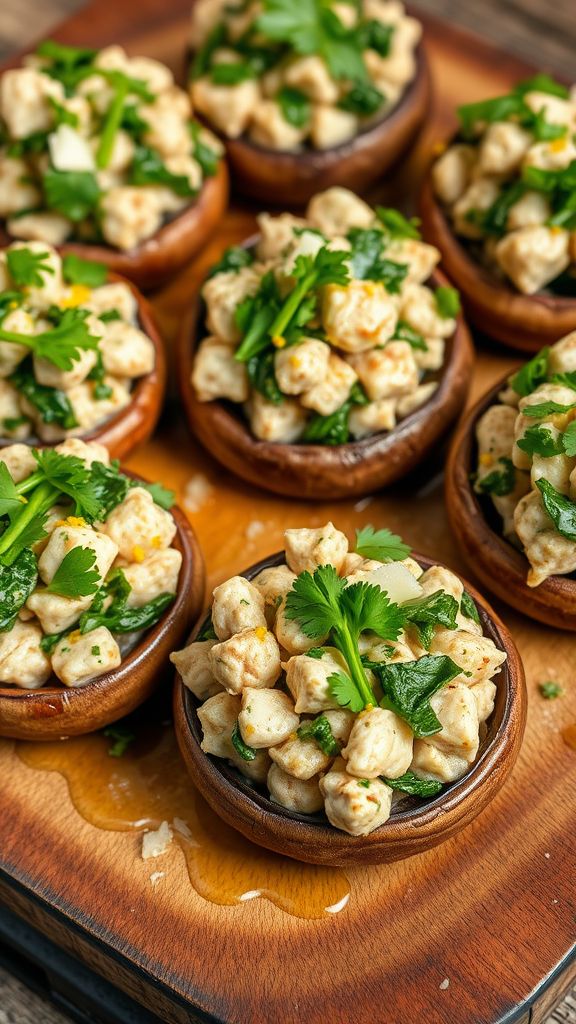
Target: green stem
(349, 649)
(283, 318)
(42, 500)
(30, 482)
(18, 339)
(111, 126)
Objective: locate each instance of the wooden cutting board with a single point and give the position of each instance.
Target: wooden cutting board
(477, 931)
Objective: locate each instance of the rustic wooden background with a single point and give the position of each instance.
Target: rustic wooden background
(543, 34)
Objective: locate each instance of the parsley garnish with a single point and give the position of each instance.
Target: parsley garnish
(246, 753)
(75, 270)
(206, 631)
(368, 262)
(203, 154)
(363, 99)
(498, 481)
(382, 545)
(320, 730)
(410, 783)
(335, 428)
(396, 224)
(447, 302)
(324, 604)
(148, 169)
(532, 374)
(53, 405)
(550, 690)
(63, 344)
(537, 412)
(74, 194)
(295, 106)
(408, 687)
(561, 510)
(76, 575)
(426, 613)
(26, 267)
(468, 607)
(310, 26)
(232, 260)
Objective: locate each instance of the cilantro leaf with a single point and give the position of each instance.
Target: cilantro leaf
(345, 692)
(426, 613)
(382, 545)
(396, 224)
(495, 219)
(70, 476)
(540, 440)
(204, 155)
(403, 332)
(561, 510)
(363, 99)
(233, 259)
(75, 270)
(295, 106)
(74, 194)
(408, 687)
(254, 316)
(335, 428)
(231, 73)
(76, 575)
(375, 35)
(569, 439)
(262, 376)
(468, 607)
(116, 616)
(410, 783)
(320, 730)
(368, 262)
(537, 412)
(324, 604)
(310, 26)
(11, 500)
(148, 169)
(447, 302)
(63, 344)
(53, 405)
(532, 374)
(26, 267)
(121, 736)
(499, 481)
(246, 753)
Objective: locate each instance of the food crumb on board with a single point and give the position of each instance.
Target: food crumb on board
(363, 503)
(196, 492)
(155, 877)
(156, 842)
(254, 528)
(547, 855)
(444, 984)
(179, 825)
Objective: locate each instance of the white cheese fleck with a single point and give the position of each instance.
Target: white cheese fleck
(155, 877)
(156, 842)
(444, 984)
(254, 528)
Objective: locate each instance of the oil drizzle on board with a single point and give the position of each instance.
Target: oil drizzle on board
(148, 785)
(569, 735)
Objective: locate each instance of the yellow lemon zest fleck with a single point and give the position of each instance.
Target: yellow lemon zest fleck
(74, 637)
(156, 541)
(371, 288)
(12, 305)
(555, 229)
(558, 145)
(296, 362)
(75, 521)
(278, 341)
(249, 729)
(486, 459)
(261, 633)
(78, 294)
(138, 553)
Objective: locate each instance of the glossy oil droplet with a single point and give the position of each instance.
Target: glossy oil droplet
(148, 785)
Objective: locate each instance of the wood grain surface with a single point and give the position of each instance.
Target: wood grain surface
(463, 934)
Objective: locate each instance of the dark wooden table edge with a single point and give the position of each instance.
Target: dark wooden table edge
(62, 915)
